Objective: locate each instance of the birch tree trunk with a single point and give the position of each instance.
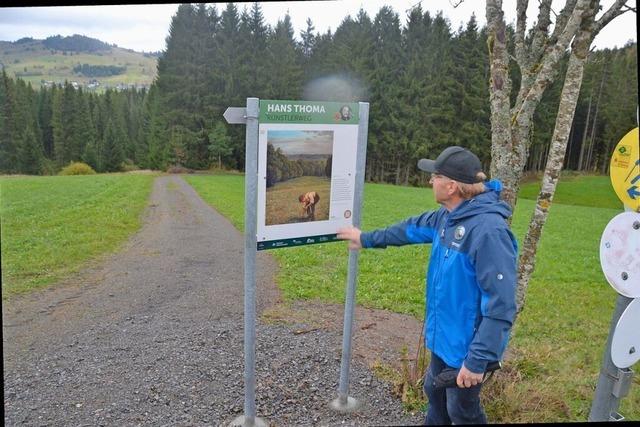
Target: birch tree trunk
(537, 56)
(589, 28)
(566, 110)
(502, 156)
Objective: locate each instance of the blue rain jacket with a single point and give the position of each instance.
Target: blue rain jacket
(471, 279)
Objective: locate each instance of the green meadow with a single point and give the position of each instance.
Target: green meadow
(283, 207)
(578, 190)
(559, 338)
(51, 226)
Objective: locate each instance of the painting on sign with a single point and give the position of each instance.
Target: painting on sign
(298, 181)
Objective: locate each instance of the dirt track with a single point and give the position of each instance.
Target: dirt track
(153, 336)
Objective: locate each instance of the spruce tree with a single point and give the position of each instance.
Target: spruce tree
(8, 149)
(21, 116)
(85, 134)
(112, 150)
(45, 113)
(308, 40)
(284, 62)
(219, 144)
(258, 33)
(153, 133)
(386, 107)
(470, 95)
(31, 153)
(61, 123)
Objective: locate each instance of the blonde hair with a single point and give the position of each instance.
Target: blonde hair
(468, 191)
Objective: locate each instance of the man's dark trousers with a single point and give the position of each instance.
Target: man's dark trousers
(454, 404)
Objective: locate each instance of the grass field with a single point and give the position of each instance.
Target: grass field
(579, 190)
(283, 207)
(52, 225)
(559, 337)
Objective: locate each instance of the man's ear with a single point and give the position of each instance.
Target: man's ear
(452, 189)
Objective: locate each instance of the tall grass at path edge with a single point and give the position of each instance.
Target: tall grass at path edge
(52, 225)
(559, 338)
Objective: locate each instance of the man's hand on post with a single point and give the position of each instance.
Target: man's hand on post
(351, 234)
(467, 379)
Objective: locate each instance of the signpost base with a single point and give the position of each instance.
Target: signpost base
(242, 421)
(341, 404)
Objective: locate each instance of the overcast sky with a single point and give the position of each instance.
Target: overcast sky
(301, 142)
(145, 27)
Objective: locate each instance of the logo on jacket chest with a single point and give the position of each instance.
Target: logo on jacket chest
(458, 234)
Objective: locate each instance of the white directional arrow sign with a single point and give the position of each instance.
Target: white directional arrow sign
(235, 115)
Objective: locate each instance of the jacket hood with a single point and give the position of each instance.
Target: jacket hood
(487, 202)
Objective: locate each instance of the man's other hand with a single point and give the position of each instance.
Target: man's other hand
(351, 234)
(467, 379)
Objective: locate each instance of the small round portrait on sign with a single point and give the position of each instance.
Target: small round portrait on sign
(345, 113)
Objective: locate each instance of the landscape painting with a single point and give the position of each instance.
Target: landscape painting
(298, 176)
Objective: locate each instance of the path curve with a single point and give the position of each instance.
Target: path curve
(153, 335)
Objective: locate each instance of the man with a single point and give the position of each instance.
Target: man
(309, 201)
(471, 280)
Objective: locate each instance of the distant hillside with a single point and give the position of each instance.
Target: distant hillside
(91, 63)
(75, 43)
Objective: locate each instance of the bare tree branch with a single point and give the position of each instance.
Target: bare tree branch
(614, 11)
(551, 57)
(419, 4)
(557, 149)
(521, 25)
(573, 23)
(541, 32)
(565, 13)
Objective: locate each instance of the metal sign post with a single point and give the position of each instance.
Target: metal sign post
(620, 350)
(622, 274)
(606, 402)
(250, 117)
(341, 118)
(343, 402)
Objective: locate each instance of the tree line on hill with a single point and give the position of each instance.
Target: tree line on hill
(280, 168)
(75, 43)
(426, 84)
(43, 131)
(99, 70)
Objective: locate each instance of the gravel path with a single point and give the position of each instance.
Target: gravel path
(153, 336)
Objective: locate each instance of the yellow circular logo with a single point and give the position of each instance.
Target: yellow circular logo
(624, 170)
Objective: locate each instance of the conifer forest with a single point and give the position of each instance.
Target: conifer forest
(427, 85)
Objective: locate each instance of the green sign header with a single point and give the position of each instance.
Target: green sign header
(308, 112)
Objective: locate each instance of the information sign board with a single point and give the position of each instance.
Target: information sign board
(625, 170)
(306, 171)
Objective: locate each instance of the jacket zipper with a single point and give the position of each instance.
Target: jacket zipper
(435, 300)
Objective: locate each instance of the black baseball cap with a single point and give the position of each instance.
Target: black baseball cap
(456, 163)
